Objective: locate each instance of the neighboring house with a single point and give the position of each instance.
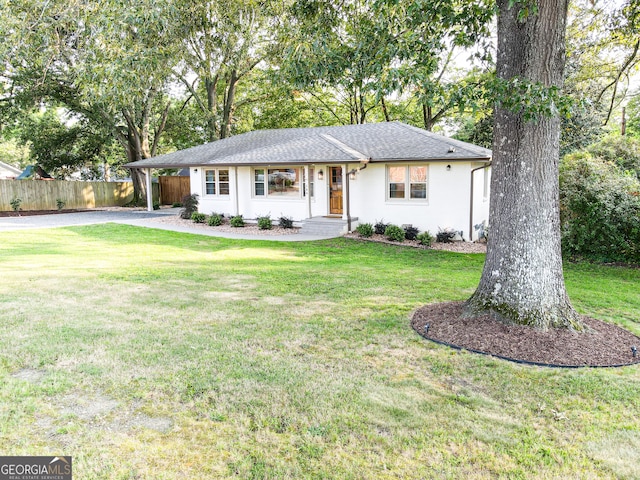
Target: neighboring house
(8, 171)
(361, 173)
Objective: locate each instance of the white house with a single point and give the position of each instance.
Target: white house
(8, 171)
(360, 173)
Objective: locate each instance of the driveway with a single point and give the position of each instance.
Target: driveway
(140, 218)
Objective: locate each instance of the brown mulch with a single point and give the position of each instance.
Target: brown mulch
(30, 213)
(458, 247)
(603, 345)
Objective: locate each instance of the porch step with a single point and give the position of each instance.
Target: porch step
(325, 226)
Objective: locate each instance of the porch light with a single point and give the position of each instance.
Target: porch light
(352, 175)
(320, 175)
(448, 168)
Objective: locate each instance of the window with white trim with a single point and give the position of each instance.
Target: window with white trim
(277, 182)
(407, 182)
(216, 181)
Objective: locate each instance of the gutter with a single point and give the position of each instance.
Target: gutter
(471, 199)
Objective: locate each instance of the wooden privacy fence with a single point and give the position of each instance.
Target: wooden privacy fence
(173, 189)
(44, 194)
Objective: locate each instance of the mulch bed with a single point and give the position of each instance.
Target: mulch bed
(29, 213)
(604, 345)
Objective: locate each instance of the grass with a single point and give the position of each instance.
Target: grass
(150, 354)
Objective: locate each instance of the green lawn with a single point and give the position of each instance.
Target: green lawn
(149, 354)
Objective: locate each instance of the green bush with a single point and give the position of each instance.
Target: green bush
(15, 204)
(176, 204)
(365, 230)
(599, 210)
(265, 223)
(425, 238)
(394, 233)
(197, 217)
(215, 220)
(285, 222)
(156, 206)
(189, 205)
(237, 221)
(60, 204)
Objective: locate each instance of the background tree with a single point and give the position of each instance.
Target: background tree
(522, 281)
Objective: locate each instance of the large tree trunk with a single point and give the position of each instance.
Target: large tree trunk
(522, 281)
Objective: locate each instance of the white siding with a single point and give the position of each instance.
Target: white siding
(447, 205)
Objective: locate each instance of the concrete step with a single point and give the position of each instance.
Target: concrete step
(325, 226)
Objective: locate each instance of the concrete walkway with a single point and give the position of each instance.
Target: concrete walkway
(139, 218)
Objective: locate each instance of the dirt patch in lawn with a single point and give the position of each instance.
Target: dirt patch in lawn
(604, 345)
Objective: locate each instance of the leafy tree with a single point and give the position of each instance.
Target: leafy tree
(222, 43)
(368, 52)
(522, 280)
(600, 209)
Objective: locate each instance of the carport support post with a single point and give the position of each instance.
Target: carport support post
(147, 172)
(307, 189)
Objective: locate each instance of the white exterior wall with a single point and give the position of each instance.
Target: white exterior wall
(447, 205)
(251, 206)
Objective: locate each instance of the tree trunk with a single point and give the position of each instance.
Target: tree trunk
(229, 101)
(522, 281)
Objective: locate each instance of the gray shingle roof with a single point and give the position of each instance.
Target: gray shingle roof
(377, 142)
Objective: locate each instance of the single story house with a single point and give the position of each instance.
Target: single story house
(360, 173)
(8, 171)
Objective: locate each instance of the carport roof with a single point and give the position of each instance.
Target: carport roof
(375, 142)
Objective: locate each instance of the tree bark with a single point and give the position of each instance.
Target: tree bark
(522, 281)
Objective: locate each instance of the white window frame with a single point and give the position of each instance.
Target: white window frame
(407, 183)
(216, 182)
(265, 183)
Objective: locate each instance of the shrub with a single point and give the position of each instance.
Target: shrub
(599, 210)
(394, 233)
(197, 217)
(365, 230)
(15, 204)
(446, 235)
(156, 206)
(285, 222)
(215, 220)
(189, 205)
(410, 232)
(425, 238)
(176, 204)
(265, 223)
(380, 227)
(60, 204)
(236, 221)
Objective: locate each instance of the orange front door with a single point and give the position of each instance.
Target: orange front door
(335, 190)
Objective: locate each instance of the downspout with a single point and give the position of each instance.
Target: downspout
(348, 195)
(471, 200)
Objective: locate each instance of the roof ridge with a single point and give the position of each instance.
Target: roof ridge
(344, 147)
(469, 147)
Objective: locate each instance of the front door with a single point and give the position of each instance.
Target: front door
(335, 190)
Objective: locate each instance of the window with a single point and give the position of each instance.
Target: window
(407, 182)
(277, 182)
(216, 182)
(258, 183)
